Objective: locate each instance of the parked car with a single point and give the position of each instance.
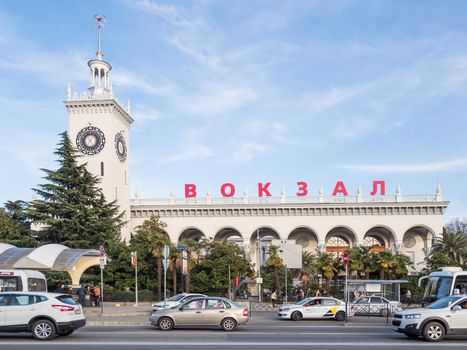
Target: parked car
(445, 316)
(315, 308)
(175, 300)
(45, 315)
(370, 305)
(202, 311)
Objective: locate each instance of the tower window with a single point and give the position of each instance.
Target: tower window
(102, 168)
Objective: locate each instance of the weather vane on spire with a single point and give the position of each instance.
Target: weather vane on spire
(100, 21)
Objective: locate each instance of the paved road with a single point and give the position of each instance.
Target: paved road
(264, 332)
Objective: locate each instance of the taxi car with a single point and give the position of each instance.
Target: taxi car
(443, 317)
(315, 308)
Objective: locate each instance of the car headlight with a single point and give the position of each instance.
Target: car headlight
(286, 309)
(412, 316)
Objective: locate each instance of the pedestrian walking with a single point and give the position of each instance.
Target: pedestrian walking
(318, 293)
(274, 298)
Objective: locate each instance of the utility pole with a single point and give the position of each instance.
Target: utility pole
(258, 240)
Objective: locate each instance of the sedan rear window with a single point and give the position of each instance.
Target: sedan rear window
(66, 299)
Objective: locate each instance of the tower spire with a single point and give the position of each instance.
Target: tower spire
(100, 21)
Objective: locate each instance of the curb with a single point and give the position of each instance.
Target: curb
(116, 323)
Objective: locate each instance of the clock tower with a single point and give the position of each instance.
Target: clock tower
(99, 128)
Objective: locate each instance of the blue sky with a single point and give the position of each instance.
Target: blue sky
(249, 91)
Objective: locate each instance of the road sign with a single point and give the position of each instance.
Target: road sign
(102, 262)
(166, 251)
(345, 258)
(102, 251)
(182, 247)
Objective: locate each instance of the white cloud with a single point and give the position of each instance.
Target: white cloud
(247, 151)
(441, 166)
(190, 148)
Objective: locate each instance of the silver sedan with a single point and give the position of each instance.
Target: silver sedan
(206, 311)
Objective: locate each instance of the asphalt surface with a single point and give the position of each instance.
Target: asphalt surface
(263, 332)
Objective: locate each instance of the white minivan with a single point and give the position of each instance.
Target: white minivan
(22, 281)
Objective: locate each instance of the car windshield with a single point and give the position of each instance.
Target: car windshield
(176, 297)
(437, 287)
(304, 301)
(444, 302)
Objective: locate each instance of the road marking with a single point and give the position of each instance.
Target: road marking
(244, 333)
(230, 344)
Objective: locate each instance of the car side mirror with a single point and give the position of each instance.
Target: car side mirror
(181, 308)
(456, 308)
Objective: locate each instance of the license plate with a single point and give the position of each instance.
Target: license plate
(77, 311)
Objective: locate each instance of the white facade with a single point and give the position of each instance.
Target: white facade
(99, 127)
(405, 224)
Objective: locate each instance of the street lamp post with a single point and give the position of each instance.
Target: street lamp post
(258, 240)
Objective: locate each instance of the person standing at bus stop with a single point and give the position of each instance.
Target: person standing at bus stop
(97, 296)
(408, 297)
(82, 295)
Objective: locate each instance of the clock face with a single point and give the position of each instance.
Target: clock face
(90, 140)
(120, 147)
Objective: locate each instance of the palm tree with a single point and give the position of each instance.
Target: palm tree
(309, 268)
(326, 266)
(386, 262)
(173, 257)
(274, 261)
(452, 245)
(401, 261)
(152, 230)
(357, 260)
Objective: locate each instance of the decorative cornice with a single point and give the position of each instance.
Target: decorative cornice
(290, 209)
(98, 106)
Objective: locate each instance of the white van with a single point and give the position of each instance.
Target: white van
(22, 281)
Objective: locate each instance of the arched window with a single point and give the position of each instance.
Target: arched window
(337, 245)
(374, 243)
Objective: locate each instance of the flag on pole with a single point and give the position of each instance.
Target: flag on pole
(134, 259)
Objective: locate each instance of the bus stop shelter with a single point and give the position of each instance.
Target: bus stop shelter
(389, 289)
(49, 257)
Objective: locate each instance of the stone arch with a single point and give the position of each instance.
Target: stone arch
(191, 234)
(416, 243)
(339, 239)
(228, 233)
(380, 237)
(266, 234)
(306, 237)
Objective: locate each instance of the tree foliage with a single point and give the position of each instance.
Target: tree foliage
(15, 227)
(72, 207)
(211, 274)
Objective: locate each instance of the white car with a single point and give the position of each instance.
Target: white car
(372, 305)
(175, 300)
(445, 316)
(45, 315)
(315, 308)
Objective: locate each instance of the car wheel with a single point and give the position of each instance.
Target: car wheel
(66, 333)
(165, 324)
(383, 312)
(296, 316)
(433, 331)
(340, 316)
(43, 330)
(228, 324)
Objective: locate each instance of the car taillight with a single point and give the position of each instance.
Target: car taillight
(245, 312)
(63, 308)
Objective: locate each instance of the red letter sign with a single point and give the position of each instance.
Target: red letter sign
(340, 188)
(190, 191)
(263, 189)
(230, 192)
(302, 189)
(382, 186)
